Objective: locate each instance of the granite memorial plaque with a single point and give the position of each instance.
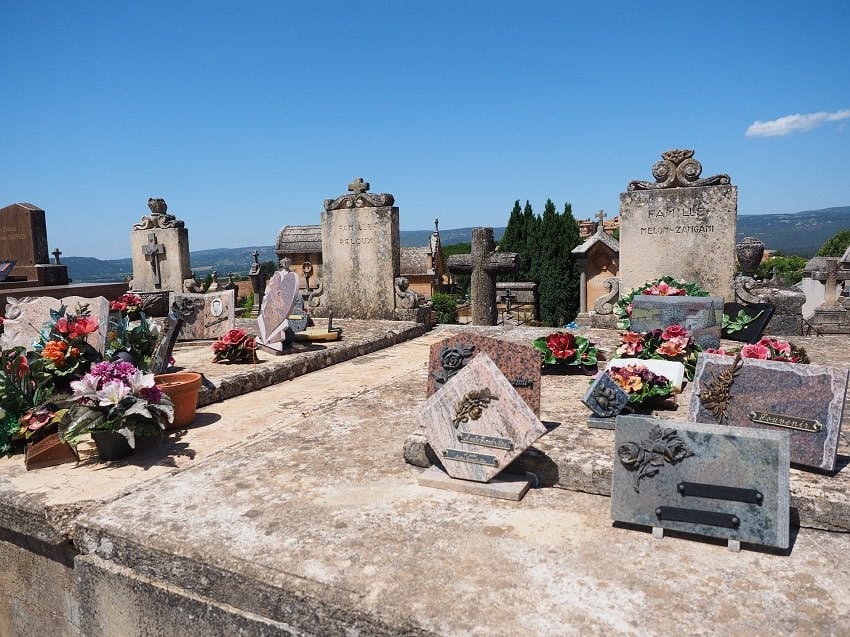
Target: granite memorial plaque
(169, 330)
(477, 424)
(606, 399)
(26, 316)
(205, 316)
(519, 363)
(273, 320)
(724, 482)
(681, 226)
(806, 401)
(298, 318)
(746, 322)
(702, 316)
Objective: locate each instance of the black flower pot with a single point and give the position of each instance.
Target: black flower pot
(111, 445)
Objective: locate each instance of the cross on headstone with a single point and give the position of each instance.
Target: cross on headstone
(153, 252)
(601, 216)
(484, 264)
(831, 277)
(358, 186)
(56, 254)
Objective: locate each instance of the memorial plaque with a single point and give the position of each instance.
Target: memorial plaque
(806, 401)
(756, 315)
(165, 340)
(519, 363)
(273, 319)
(298, 317)
(724, 482)
(605, 398)
(205, 316)
(26, 316)
(477, 424)
(702, 316)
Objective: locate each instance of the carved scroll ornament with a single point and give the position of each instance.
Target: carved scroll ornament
(159, 217)
(678, 169)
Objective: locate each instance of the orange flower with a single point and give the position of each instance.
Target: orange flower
(55, 351)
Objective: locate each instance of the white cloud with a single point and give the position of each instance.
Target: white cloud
(794, 123)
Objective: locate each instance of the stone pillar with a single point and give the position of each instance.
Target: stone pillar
(159, 245)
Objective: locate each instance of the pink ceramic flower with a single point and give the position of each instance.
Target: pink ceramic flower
(755, 350)
(674, 331)
(632, 344)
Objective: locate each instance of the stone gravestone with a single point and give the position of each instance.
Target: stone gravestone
(159, 244)
(724, 482)
(205, 316)
(519, 363)
(273, 321)
(23, 239)
(477, 424)
(25, 317)
(702, 316)
(806, 401)
(606, 399)
(484, 264)
(360, 252)
(680, 226)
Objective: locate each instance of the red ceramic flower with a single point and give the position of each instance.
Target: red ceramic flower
(632, 344)
(674, 331)
(562, 345)
(755, 350)
(233, 337)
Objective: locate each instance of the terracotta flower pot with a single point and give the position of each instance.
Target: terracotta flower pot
(182, 388)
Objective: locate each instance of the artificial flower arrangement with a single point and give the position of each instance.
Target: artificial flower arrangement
(236, 346)
(24, 383)
(63, 344)
(664, 286)
(640, 383)
(135, 344)
(769, 349)
(566, 349)
(127, 303)
(116, 397)
(673, 343)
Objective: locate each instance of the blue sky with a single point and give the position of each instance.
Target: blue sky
(245, 116)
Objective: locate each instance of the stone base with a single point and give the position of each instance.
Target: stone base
(599, 321)
(506, 486)
(415, 315)
(831, 319)
(154, 303)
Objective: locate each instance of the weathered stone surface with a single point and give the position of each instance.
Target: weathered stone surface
(520, 363)
(205, 316)
(26, 316)
(687, 233)
(702, 316)
(665, 471)
(360, 252)
(160, 258)
(809, 399)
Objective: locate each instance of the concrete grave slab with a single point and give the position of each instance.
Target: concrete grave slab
(26, 316)
(519, 363)
(674, 371)
(702, 316)
(807, 401)
(205, 316)
(725, 482)
(478, 424)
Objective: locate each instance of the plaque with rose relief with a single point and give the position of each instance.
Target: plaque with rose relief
(807, 401)
(477, 424)
(26, 316)
(205, 316)
(518, 362)
(724, 482)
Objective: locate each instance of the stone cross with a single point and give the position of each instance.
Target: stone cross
(153, 252)
(601, 216)
(831, 277)
(484, 264)
(56, 254)
(358, 186)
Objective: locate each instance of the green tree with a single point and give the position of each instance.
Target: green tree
(836, 246)
(788, 269)
(445, 307)
(557, 283)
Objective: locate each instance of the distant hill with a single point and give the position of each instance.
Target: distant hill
(800, 233)
(236, 260)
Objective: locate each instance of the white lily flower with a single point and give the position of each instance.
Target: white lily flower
(2, 413)
(112, 393)
(86, 387)
(139, 380)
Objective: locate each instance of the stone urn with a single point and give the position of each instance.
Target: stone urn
(749, 252)
(182, 388)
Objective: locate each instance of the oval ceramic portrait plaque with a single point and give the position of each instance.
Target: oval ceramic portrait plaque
(216, 307)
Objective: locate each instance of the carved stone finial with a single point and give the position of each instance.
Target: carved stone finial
(678, 169)
(600, 227)
(159, 217)
(359, 198)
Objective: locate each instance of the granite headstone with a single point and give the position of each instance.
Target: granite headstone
(273, 320)
(205, 316)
